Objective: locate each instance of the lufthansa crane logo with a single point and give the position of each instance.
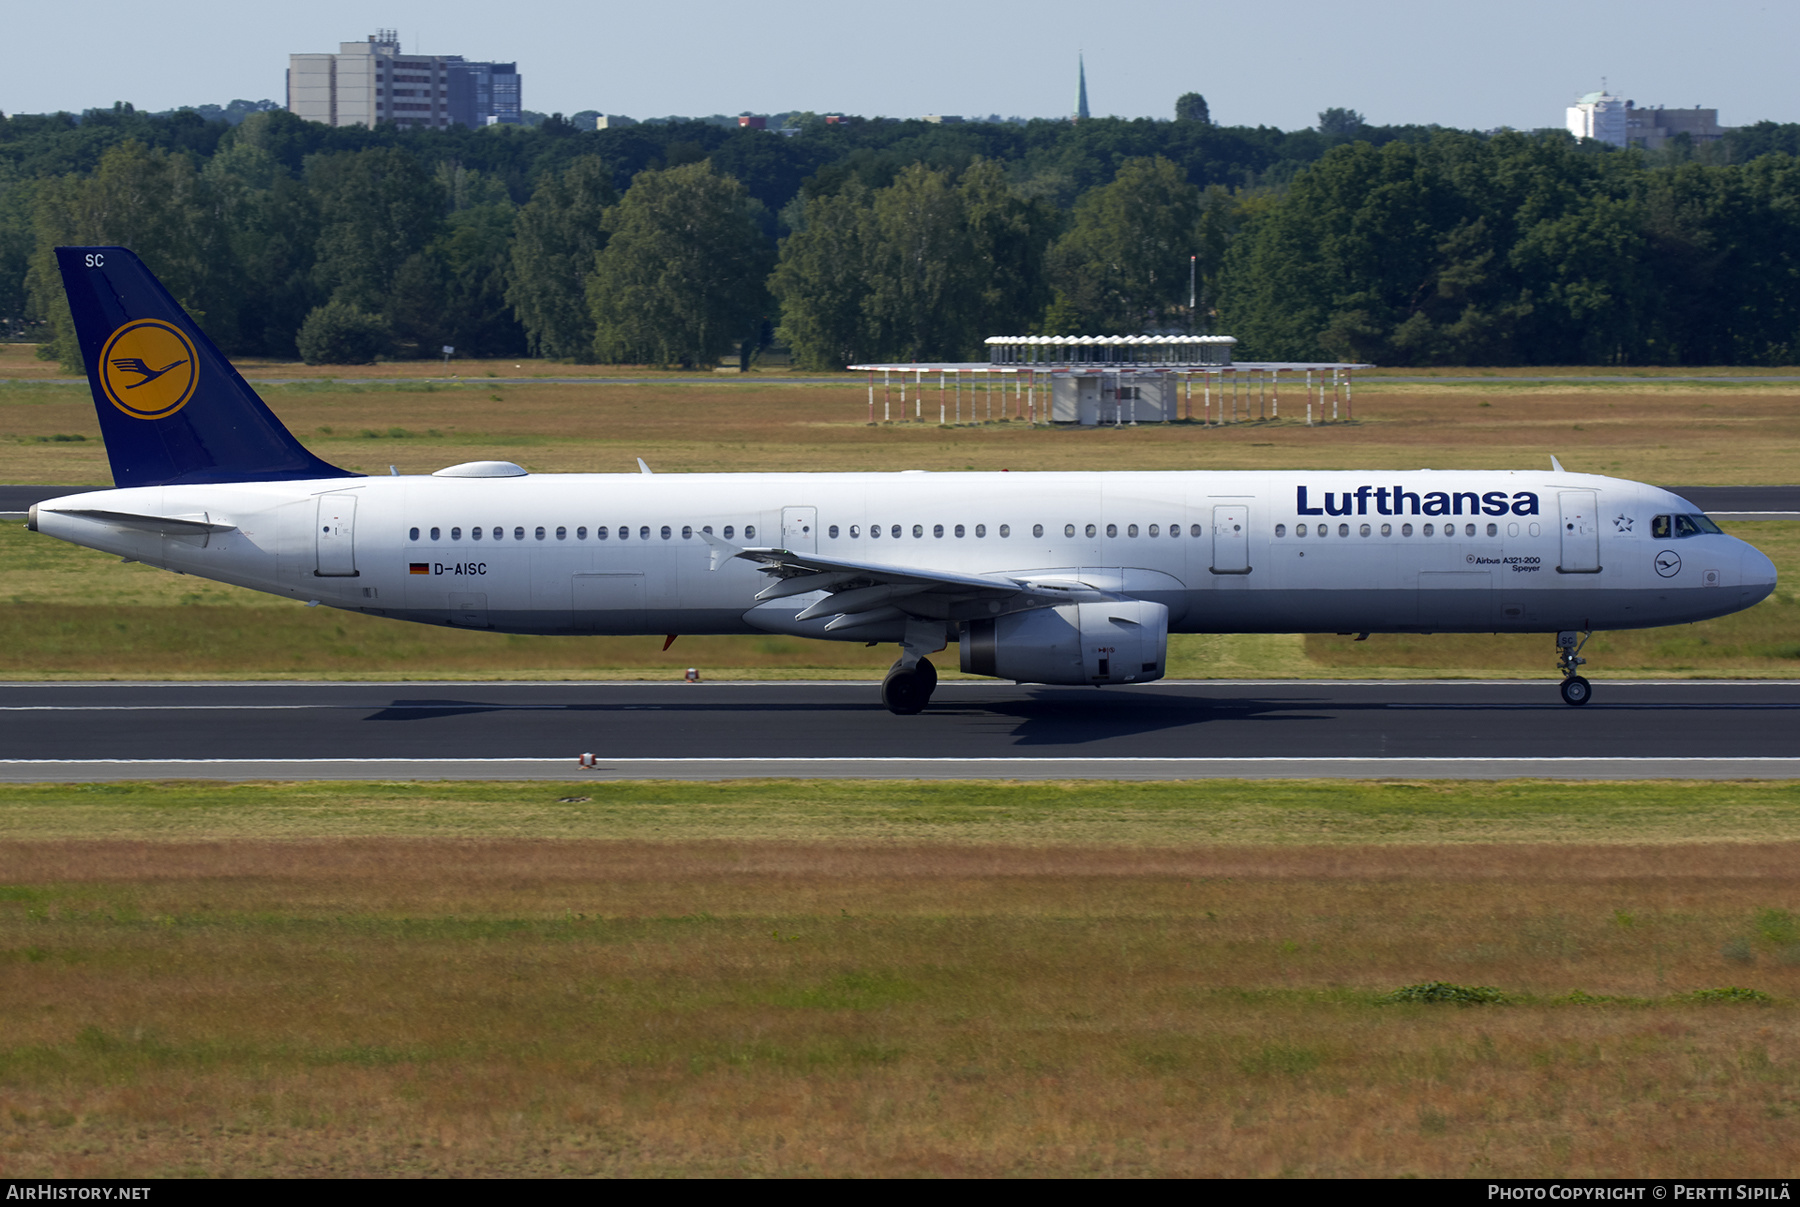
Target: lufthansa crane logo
(1668, 563)
(148, 369)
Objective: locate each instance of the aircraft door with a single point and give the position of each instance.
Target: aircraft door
(800, 529)
(1231, 539)
(1580, 532)
(335, 537)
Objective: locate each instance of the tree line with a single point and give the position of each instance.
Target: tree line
(681, 243)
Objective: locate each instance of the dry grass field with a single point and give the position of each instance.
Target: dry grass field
(894, 979)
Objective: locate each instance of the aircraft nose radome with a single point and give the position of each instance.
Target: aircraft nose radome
(1757, 573)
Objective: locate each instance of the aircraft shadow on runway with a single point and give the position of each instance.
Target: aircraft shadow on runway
(1050, 717)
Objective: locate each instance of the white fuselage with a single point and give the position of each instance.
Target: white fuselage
(1504, 551)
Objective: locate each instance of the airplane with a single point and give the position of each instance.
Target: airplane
(1051, 578)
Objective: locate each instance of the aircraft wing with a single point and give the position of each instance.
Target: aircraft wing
(861, 593)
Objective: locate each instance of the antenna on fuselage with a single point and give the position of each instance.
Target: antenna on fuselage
(642, 467)
(1554, 464)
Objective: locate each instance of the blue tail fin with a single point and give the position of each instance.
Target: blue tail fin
(172, 409)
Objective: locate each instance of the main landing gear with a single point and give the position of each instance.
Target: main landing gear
(1576, 691)
(906, 692)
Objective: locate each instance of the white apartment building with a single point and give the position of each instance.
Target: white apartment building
(373, 81)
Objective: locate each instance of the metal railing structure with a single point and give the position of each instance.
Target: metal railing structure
(1126, 375)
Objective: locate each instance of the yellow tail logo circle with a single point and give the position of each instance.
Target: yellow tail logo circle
(148, 369)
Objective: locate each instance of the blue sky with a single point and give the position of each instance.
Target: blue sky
(1277, 62)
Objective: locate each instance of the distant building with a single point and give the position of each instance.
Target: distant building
(373, 81)
(747, 122)
(613, 121)
(1621, 123)
(942, 119)
(1653, 129)
(1599, 116)
(1081, 105)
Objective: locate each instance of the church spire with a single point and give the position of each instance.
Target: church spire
(1081, 105)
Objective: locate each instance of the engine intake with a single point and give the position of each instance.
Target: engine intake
(1113, 641)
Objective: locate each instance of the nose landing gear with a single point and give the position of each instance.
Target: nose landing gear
(907, 691)
(1576, 690)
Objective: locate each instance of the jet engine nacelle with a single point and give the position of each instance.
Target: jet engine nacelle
(1115, 641)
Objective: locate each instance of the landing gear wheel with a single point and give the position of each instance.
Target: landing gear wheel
(1576, 691)
(904, 692)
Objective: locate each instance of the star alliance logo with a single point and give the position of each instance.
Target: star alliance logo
(1622, 523)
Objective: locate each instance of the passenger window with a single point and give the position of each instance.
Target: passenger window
(1005, 530)
(1660, 529)
(456, 534)
(1090, 530)
(1281, 530)
(643, 532)
(562, 534)
(687, 532)
(855, 531)
(1406, 530)
(1364, 530)
(600, 533)
(1387, 530)
(1429, 530)
(937, 530)
(581, 534)
(666, 534)
(728, 531)
(894, 531)
(539, 533)
(1468, 530)
(918, 531)
(749, 532)
(1131, 531)
(706, 528)
(959, 531)
(434, 534)
(1343, 530)
(1155, 530)
(413, 535)
(1493, 530)
(624, 533)
(1111, 530)
(475, 533)
(1037, 530)
(1194, 530)
(1299, 529)
(832, 532)
(874, 532)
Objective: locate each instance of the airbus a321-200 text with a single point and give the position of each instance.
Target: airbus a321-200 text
(1056, 578)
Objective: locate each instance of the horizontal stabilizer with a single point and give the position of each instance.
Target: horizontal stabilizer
(165, 524)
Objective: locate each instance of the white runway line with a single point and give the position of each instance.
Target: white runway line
(94, 770)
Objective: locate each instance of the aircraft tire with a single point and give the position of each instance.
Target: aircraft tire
(905, 693)
(1576, 691)
(928, 675)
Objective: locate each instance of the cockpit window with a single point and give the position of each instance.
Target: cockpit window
(1660, 529)
(1693, 525)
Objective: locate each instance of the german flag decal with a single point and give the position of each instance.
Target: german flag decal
(418, 567)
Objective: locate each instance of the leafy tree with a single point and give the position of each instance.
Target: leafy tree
(1341, 123)
(1191, 107)
(918, 300)
(267, 220)
(338, 333)
(376, 208)
(559, 232)
(681, 278)
(1122, 265)
(144, 199)
(821, 279)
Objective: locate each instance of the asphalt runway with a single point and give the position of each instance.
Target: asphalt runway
(972, 730)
